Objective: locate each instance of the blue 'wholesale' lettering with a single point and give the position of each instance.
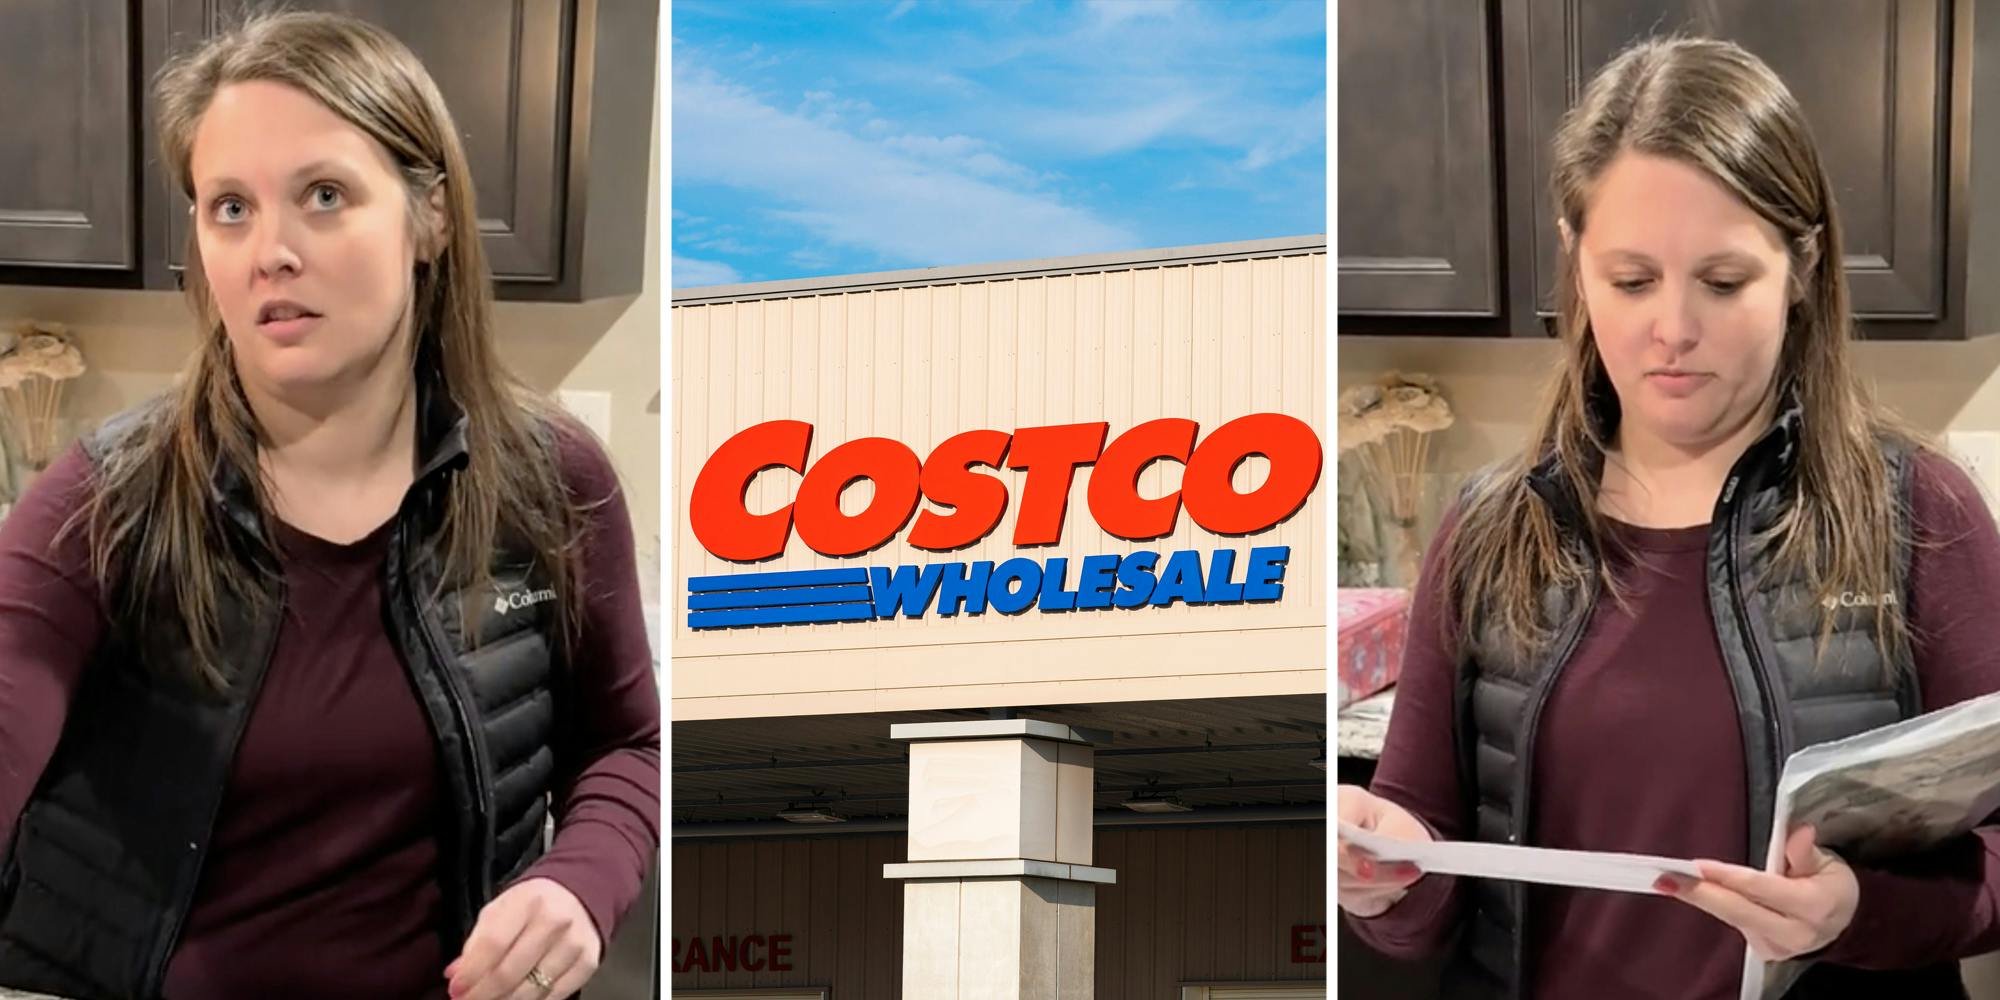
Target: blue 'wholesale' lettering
(1000, 594)
(1135, 579)
(1054, 597)
(907, 589)
(960, 588)
(1262, 579)
(1102, 581)
(1095, 581)
(1180, 580)
(1220, 590)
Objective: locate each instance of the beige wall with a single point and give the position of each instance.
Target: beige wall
(1210, 904)
(1209, 341)
(134, 342)
(1494, 385)
(825, 894)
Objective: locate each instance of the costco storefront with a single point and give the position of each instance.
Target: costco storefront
(1000, 595)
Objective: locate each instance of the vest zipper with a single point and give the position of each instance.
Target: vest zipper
(460, 699)
(1766, 687)
(156, 976)
(456, 693)
(1537, 698)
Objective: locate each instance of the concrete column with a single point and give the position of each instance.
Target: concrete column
(999, 898)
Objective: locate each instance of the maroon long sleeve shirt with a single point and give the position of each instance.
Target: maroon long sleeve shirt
(1638, 751)
(322, 879)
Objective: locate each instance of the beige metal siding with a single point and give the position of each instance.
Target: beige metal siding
(1207, 341)
(1207, 904)
(827, 893)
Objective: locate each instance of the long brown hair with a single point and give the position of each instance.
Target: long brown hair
(157, 537)
(1716, 107)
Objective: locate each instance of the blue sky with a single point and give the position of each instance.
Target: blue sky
(816, 138)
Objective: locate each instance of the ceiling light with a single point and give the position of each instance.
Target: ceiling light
(1157, 804)
(810, 814)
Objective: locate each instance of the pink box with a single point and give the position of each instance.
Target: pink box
(1373, 624)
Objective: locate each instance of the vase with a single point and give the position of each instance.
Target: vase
(1396, 544)
(1358, 559)
(1403, 547)
(25, 465)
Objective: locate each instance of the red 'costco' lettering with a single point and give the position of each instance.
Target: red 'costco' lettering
(1049, 456)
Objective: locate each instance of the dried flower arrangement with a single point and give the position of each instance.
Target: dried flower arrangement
(36, 360)
(1386, 425)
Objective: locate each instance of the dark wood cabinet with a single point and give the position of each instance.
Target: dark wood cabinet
(1891, 88)
(1418, 223)
(552, 98)
(66, 165)
(500, 66)
(1869, 75)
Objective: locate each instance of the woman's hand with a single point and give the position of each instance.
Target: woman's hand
(1782, 916)
(532, 942)
(1369, 887)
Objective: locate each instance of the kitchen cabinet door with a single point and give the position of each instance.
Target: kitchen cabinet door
(1418, 229)
(1872, 76)
(503, 67)
(67, 165)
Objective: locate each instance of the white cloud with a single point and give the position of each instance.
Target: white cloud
(1124, 75)
(1106, 78)
(964, 152)
(851, 191)
(828, 108)
(936, 147)
(690, 273)
(811, 258)
(1110, 13)
(724, 245)
(1286, 133)
(1101, 132)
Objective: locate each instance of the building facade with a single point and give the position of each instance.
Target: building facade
(1088, 491)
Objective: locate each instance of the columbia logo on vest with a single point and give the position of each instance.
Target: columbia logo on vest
(521, 599)
(1850, 599)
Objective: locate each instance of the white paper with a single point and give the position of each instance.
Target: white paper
(1886, 793)
(1546, 866)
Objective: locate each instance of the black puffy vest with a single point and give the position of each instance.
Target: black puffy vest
(103, 864)
(1786, 698)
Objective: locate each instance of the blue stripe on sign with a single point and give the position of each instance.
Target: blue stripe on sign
(793, 578)
(769, 598)
(782, 616)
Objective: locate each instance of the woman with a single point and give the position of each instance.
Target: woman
(1718, 550)
(297, 660)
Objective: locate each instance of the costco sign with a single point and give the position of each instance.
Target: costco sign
(1050, 458)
